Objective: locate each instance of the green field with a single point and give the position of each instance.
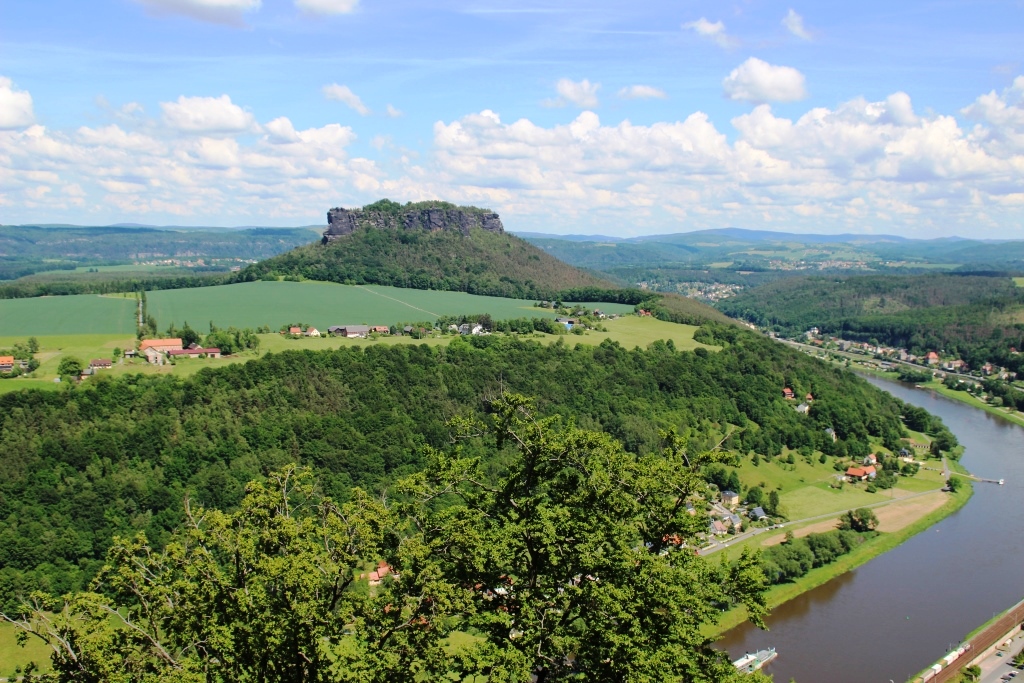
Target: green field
(79, 314)
(13, 655)
(323, 304)
(630, 331)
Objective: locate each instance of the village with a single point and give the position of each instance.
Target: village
(933, 361)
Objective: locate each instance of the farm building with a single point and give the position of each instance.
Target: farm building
(312, 332)
(195, 352)
(98, 363)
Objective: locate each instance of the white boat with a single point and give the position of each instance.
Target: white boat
(751, 662)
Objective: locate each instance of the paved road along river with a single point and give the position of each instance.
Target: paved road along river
(898, 614)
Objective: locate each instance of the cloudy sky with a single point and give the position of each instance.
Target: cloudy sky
(611, 117)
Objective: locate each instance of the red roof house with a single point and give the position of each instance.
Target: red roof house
(788, 393)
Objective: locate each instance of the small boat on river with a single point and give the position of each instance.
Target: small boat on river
(751, 662)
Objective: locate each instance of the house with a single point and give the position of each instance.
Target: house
(353, 331)
(335, 330)
(380, 329)
(730, 498)
(861, 473)
(377, 575)
(757, 514)
(407, 329)
(568, 322)
(856, 473)
(788, 394)
(870, 459)
(735, 521)
(155, 357)
(931, 358)
(295, 330)
(803, 408)
(468, 328)
(312, 332)
(831, 433)
(987, 369)
(161, 345)
(194, 351)
(809, 397)
(716, 527)
(100, 363)
(6, 363)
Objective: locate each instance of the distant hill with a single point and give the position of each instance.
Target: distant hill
(27, 249)
(427, 245)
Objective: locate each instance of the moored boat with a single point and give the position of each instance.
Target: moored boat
(751, 662)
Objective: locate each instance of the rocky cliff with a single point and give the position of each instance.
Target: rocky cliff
(429, 216)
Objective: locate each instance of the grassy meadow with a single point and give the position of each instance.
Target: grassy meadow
(629, 331)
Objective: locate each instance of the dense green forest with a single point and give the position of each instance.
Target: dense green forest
(28, 249)
(116, 455)
(494, 264)
(972, 316)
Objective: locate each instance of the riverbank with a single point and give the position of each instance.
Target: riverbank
(865, 552)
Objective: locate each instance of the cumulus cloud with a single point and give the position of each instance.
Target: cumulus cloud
(861, 163)
(641, 92)
(393, 111)
(713, 31)
(582, 94)
(343, 94)
(758, 81)
(794, 23)
(217, 11)
(327, 6)
(206, 115)
(15, 106)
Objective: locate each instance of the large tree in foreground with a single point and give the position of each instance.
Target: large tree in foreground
(581, 559)
(575, 564)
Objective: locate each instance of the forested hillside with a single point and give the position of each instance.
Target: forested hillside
(27, 249)
(480, 262)
(976, 317)
(118, 455)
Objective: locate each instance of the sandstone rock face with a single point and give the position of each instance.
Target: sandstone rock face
(341, 221)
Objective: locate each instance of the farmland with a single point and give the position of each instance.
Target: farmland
(323, 304)
(629, 331)
(61, 315)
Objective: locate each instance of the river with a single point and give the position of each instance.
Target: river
(897, 614)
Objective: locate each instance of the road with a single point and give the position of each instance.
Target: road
(739, 538)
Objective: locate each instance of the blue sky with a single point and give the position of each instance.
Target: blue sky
(610, 117)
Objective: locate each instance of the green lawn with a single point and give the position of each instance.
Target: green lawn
(1019, 281)
(64, 315)
(12, 654)
(323, 304)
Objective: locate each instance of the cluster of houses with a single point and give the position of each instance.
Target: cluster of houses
(727, 514)
(930, 360)
(347, 331)
(805, 406)
(159, 351)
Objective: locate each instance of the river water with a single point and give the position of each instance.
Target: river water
(898, 614)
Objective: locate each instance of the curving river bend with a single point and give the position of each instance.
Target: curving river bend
(897, 614)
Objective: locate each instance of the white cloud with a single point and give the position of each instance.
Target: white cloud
(327, 6)
(582, 94)
(206, 115)
(641, 92)
(794, 23)
(216, 11)
(876, 164)
(15, 106)
(392, 111)
(343, 94)
(714, 32)
(758, 81)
